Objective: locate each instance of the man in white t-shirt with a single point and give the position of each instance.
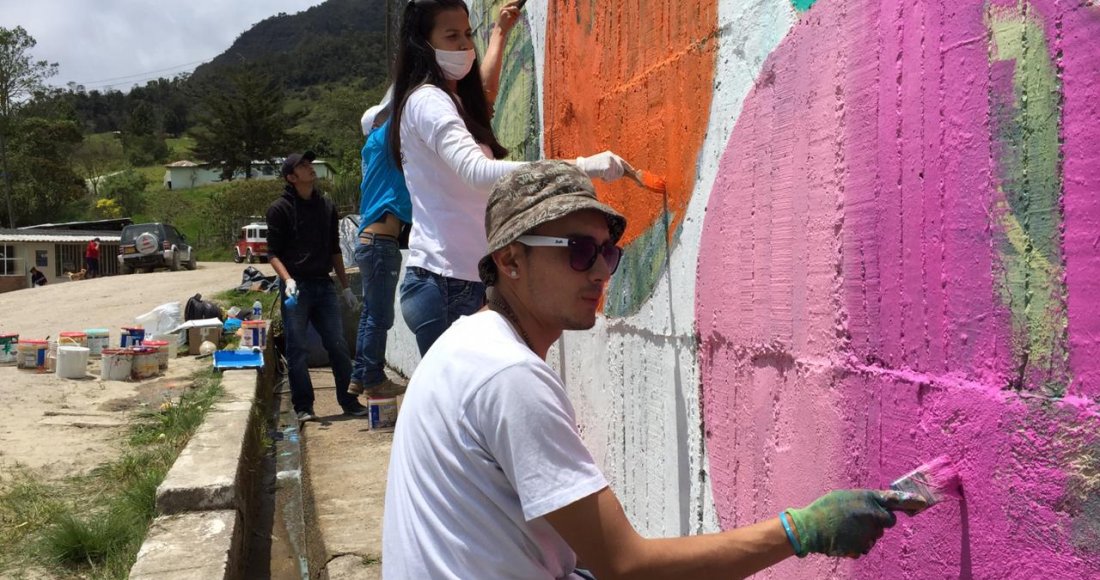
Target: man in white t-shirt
(488, 475)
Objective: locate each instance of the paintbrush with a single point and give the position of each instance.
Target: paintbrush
(933, 482)
(646, 179)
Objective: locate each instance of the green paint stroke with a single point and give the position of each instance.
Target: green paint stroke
(1026, 127)
(516, 119)
(803, 5)
(643, 262)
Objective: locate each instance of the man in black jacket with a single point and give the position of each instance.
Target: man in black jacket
(303, 243)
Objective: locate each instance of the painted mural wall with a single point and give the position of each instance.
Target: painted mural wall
(880, 243)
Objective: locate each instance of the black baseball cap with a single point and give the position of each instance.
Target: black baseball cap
(294, 160)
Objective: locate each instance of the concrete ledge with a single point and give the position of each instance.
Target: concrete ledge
(205, 501)
(198, 546)
(209, 472)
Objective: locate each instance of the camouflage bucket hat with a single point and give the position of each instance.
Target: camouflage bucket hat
(537, 193)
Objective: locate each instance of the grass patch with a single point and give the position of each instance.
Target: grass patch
(91, 526)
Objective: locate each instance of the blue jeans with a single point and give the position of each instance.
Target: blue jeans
(317, 304)
(379, 265)
(430, 303)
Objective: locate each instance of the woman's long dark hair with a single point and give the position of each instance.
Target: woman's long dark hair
(415, 66)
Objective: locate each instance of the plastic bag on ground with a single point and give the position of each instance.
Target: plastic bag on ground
(161, 320)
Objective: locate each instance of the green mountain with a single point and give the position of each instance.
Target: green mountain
(340, 41)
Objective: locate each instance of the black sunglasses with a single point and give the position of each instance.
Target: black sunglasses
(582, 250)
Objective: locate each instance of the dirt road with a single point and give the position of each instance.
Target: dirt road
(61, 426)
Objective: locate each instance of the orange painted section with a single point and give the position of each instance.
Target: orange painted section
(634, 77)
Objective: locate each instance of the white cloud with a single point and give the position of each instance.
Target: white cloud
(119, 43)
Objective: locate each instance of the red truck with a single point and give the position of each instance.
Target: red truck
(252, 243)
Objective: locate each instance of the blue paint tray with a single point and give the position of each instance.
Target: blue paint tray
(238, 359)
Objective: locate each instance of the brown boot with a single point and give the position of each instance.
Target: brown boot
(386, 389)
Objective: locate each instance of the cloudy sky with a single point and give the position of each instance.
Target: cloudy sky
(118, 43)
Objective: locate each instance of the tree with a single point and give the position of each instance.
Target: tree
(20, 77)
(97, 156)
(44, 185)
(126, 189)
(242, 122)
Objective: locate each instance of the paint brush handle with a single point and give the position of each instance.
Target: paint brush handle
(632, 173)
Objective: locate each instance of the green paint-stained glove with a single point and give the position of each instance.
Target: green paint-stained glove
(846, 522)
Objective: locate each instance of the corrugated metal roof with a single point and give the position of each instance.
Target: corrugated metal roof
(56, 236)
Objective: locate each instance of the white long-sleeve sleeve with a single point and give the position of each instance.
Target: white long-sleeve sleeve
(434, 117)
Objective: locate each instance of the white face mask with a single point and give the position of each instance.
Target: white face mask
(456, 64)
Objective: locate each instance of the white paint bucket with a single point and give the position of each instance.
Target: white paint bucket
(98, 339)
(72, 362)
(254, 334)
(117, 364)
(383, 414)
(8, 350)
(173, 341)
(162, 352)
(145, 363)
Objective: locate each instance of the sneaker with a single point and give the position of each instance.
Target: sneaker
(356, 410)
(306, 415)
(355, 388)
(387, 389)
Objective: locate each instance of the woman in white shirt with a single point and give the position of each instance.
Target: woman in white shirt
(441, 137)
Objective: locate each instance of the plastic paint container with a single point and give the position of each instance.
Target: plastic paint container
(98, 339)
(254, 334)
(162, 352)
(173, 341)
(31, 354)
(145, 363)
(73, 339)
(383, 414)
(72, 362)
(51, 356)
(8, 350)
(117, 364)
(131, 336)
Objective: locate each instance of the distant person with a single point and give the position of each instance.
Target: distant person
(303, 241)
(385, 212)
(442, 139)
(91, 259)
(488, 475)
(37, 278)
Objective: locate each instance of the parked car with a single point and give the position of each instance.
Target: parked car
(151, 246)
(252, 243)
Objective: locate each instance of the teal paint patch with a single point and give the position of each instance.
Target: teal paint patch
(516, 111)
(803, 5)
(1025, 112)
(644, 260)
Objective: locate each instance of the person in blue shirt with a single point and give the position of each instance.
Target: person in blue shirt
(384, 209)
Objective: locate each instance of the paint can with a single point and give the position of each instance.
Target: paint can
(116, 364)
(383, 414)
(131, 336)
(72, 362)
(73, 339)
(98, 339)
(173, 341)
(31, 354)
(145, 363)
(162, 352)
(254, 334)
(8, 351)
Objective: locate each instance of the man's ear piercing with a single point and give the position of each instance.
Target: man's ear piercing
(514, 274)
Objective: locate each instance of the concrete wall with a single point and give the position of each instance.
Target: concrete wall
(878, 246)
